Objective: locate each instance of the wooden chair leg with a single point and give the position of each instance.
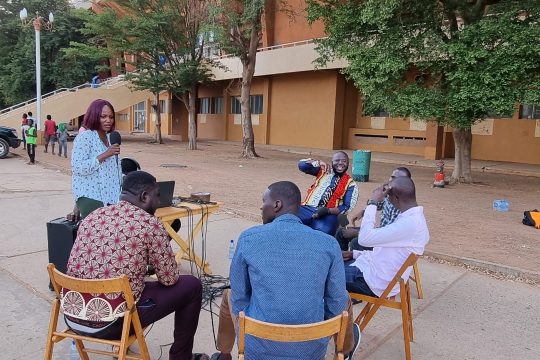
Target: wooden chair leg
(363, 313)
(80, 348)
(409, 308)
(405, 322)
(49, 346)
(139, 332)
(417, 281)
(373, 309)
(122, 352)
(241, 337)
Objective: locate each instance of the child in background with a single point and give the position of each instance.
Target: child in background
(63, 135)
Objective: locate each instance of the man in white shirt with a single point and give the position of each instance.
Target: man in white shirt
(370, 272)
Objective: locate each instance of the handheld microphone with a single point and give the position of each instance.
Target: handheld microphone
(115, 138)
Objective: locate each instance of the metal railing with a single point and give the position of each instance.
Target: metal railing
(114, 82)
(273, 47)
(109, 83)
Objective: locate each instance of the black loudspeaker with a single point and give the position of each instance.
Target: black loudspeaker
(61, 235)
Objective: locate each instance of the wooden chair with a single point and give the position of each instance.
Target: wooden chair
(416, 278)
(131, 317)
(404, 304)
(292, 333)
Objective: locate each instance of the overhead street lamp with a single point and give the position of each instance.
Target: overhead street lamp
(38, 23)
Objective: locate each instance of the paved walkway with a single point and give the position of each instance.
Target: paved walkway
(464, 315)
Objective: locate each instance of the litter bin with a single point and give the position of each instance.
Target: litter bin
(361, 164)
(61, 235)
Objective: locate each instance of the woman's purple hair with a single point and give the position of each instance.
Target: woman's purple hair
(92, 118)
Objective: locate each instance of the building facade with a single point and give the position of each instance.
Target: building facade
(295, 104)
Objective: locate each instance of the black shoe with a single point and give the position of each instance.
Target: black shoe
(217, 356)
(357, 337)
(150, 270)
(342, 219)
(176, 225)
(200, 356)
(356, 301)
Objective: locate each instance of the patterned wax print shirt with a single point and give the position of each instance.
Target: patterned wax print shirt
(92, 179)
(111, 241)
(326, 183)
(389, 213)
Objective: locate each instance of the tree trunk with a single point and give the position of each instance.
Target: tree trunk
(192, 118)
(248, 69)
(157, 126)
(462, 161)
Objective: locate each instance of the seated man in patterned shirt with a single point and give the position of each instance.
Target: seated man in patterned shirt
(334, 192)
(349, 236)
(287, 273)
(123, 239)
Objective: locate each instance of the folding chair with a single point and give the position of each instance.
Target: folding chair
(131, 317)
(404, 304)
(292, 333)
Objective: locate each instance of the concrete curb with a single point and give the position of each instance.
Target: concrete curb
(379, 157)
(507, 271)
(449, 166)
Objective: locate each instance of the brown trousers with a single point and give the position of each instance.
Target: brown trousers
(227, 321)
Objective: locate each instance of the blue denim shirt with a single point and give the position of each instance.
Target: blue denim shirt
(285, 272)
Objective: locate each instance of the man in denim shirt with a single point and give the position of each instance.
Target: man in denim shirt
(287, 273)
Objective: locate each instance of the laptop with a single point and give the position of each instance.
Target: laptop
(166, 192)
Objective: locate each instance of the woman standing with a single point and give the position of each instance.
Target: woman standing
(24, 127)
(96, 170)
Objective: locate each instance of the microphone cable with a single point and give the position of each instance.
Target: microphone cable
(213, 285)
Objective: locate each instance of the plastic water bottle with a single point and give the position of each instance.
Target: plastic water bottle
(501, 205)
(73, 353)
(231, 250)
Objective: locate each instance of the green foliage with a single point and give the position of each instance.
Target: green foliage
(165, 37)
(454, 62)
(234, 21)
(17, 45)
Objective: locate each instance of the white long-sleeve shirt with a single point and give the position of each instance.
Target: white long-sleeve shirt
(391, 244)
(90, 178)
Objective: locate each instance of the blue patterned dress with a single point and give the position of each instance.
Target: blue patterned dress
(91, 179)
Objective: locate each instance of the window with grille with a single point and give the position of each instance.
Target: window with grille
(529, 111)
(217, 105)
(204, 105)
(235, 105)
(255, 104)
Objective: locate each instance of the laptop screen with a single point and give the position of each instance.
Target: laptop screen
(166, 192)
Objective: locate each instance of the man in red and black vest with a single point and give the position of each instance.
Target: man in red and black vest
(334, 192)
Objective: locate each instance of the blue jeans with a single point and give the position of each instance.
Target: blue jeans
(354, 280)
(345, 243)
(62, 146)
(327, 224)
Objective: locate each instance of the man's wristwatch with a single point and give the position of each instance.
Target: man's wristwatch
(372, 202)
